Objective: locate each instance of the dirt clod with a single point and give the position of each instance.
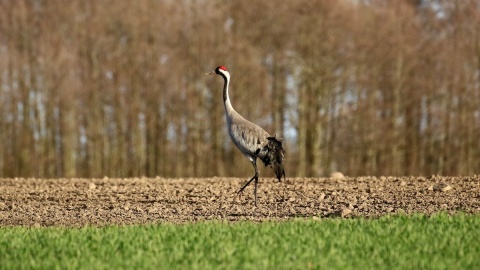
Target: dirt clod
(337, 175)
(441, 187)
(345, 212)
(79, 202)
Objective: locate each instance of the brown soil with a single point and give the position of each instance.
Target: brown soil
(78, 202)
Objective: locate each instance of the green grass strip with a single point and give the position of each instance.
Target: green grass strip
(396, 242)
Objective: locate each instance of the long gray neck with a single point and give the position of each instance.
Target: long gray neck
(226, 99)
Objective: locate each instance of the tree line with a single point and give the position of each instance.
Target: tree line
(115, 88)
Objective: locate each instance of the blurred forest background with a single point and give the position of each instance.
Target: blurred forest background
(116, 88)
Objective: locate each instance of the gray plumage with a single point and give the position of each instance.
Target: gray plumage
(252, 140)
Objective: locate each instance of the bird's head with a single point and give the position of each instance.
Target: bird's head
(220, 70)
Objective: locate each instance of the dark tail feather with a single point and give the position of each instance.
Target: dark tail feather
(275, 156)
(279, 170)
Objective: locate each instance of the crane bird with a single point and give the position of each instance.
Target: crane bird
(252, 140)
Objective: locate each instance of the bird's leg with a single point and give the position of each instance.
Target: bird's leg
(255, 177)
(246, 184)
(255, 191)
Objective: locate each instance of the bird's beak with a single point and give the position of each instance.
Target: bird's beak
(209, 73)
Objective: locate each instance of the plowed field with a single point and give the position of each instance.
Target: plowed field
(78, 202)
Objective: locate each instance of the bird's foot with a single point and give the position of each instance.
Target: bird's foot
(238, 194)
